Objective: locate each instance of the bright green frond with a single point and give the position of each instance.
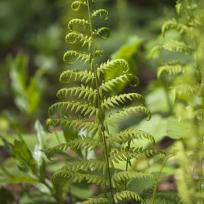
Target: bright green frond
(110, 85)
(76, 37)
(71, 76)
(76, 5)
(128, 195)
(86, 165)
(78, 22)
(75, 177)
(131, 134)
(80, 93)
(72, 56)
(126, 112)
(77, 108)
(103, 32)
(171, 69)
(117, 64)
(177, 46)
(127, 175)
(102, 13)
(77, 124)
(173, 24)
(122, 154)
(122, 99)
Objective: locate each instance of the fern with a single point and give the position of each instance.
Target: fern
(90, 103)
(186, 73)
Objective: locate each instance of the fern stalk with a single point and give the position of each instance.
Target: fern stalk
(100, 117)
(158, 179)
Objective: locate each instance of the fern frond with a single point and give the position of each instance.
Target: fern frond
(127, 175)
(80, 93)
(117, 64)
(76, 37)
(103, 32)
(129, 111)
(78, 22)
(76, 5)
(118, 155)
(99, 200)
(122, 99)
(76, 177)
(71, 76)
(184, 90)
(77, 108)
(131, 134)
(76, 144)
(77, 124)
(177, 46)
(128, 195)
(102, 13)
(171, 69)
(84, 105)
(72, 56)
(110, 85)
(86, 165)
(173, 24)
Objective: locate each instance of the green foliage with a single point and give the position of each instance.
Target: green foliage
(186, 98)
(91, 103)
(107, 152)
(27, 91)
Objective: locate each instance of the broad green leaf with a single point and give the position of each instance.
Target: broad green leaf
(24, 155)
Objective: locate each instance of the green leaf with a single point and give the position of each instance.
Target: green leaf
(128, 49)
(24, 155)
(22, 179)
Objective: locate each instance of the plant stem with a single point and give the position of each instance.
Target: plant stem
(122, 13)
(100, 117)
(157, 179)
(127, 164)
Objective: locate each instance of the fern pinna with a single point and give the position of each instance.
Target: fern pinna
(183, 40)
(90, 103)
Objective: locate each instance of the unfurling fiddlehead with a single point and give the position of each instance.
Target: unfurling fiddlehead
(90, 103)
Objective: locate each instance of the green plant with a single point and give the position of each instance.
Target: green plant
(27, 91)
(182, 70)
(25, 169)
(90, 105)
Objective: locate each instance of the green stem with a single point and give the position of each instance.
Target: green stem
(168, 98)
(122, 9)
(127, 164)
(99, 101)
(157, 180)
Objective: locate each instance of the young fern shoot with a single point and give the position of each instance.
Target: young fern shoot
(90, 103)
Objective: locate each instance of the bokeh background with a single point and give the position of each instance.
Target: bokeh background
(32, 34)
(32, 45)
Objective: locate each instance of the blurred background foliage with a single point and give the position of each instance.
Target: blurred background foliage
(32, 45)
